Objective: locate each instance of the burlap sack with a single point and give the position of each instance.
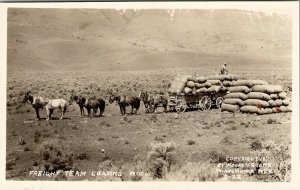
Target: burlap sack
(214, 82)
(286, 102)
(234, 101)
(227, 83)
(269, 89)
(190, 84)
(256, 102)
(201, 79)
(243, 89)
(250, 109)
(265, 111)
(278, 102)
(282, 95)
(187, 90)
(230, 108)
(239, 95)
(258, 95)
(222, 77)
(274, 96)
(272, 103)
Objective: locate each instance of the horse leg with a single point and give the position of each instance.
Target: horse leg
(63, 110)
(101, 112)
(95, 111)
(48, 113)
(124, 110)
(89, 111)
(155, 108)
(131, 110)
(147, 109)
(151, 109)
(81, 111)
(121, 110)
(37, 113)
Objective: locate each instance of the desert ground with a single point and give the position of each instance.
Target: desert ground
(56, 52)
(202, 138)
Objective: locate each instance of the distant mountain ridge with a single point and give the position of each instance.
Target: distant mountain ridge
(110, 39)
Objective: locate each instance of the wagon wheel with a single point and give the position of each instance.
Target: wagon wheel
(205, 103)
(181, 106)
(219, 101)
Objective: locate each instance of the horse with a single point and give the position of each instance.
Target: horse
(50, 105)
(144, 96)
(124, 101)
(36, 106)
(81, 101)
(155, 100)
(95, 104)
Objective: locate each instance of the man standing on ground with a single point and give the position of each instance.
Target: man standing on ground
(223, 69)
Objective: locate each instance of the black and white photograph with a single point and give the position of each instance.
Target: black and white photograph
(151, 94)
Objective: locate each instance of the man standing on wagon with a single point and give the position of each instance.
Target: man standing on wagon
(223, 70)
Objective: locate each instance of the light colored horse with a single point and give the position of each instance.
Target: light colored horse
(51, 104)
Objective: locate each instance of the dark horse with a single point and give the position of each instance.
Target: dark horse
(152, 101)
(36, 106)
(124, 101)
(93, 104)
(80, 101)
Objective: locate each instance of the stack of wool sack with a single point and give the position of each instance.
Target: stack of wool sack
(179, 83)
(195, 84)
(220, 82)
(237, 95)
(266, 99)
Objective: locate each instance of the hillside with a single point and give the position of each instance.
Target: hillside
(90, 39)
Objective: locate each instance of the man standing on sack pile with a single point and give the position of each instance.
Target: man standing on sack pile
(223, 70)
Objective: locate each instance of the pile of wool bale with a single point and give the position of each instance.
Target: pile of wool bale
(198, 84)
(255, 96)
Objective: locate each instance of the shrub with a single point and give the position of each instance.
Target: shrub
(194, 171)
(61, 176)
(191, 142)
(83, 156)
(160, 159)
(53, 156)
(138, 165)
(256, 145)
(10, 161)
(226, 140)
(37, 136)
(107, 166)
(280, 158)
(160, 139)
(214, 156)
(153, 118)
(21, 141)
(272, 121)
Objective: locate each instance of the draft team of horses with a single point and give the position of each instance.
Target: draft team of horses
(93, 104)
